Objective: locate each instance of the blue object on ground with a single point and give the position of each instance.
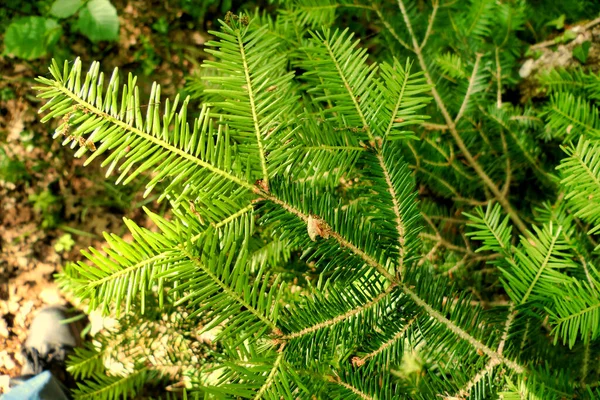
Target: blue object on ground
(43, 386)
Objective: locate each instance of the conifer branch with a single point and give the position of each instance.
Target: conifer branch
(233, 216)
(578, 314)
(572, 241)
(444, 183)
(430, 255)
(337, 380)
(508, 168)
(450, 159)
(512, 313)
(535, 164)
(366, 121)
(125, 271)
(130, 128)
(334, 6)
(102, 390)
(396, 207)
(341, 317)
(396, 108)
(339, 238)
(466, 390)
(271, 376)
(572, 106)
(257, 130)
(334, 148)
(443, 242)
(387, 344)
(454, 132)
(81, 363)
(430, 126)
(230, 292)
(461, 333)
(400, 227)
(456, 266)
(543, 266)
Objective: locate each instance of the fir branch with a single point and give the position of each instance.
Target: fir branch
(508, 168)
(581, 180)
(232, 294)
(539, 264)
(338, 381)
(86, 361)
(434, 127)
(569, 116)
(112, 387)
(512, 313)
(60, 86)
(326, 228)
(586, 360)
(544, 264)
(398, 336)
(575, 313)
(251, 95)
(532, 161)
(335, 148)
(271, 376)
(233, 216)
(336, 47)
(465, 391)
(399, 223)
(443, 242)
(560, 217)
(454, 132)
(340, 318)
(447, 322)
(461, 333)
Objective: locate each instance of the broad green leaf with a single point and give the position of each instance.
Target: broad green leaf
(557, 23)
(581, 52)
(31, 37)
(98, 21)
(65, 8)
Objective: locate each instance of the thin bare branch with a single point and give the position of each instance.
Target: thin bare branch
(391, 30)
(498, 79)
(586, 360)
(434, 127)
(472, 80)
(436, 5)
(508, 172)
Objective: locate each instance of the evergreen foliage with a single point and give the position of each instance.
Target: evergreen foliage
(348, 223)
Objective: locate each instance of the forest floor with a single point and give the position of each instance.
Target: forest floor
(50, 206)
